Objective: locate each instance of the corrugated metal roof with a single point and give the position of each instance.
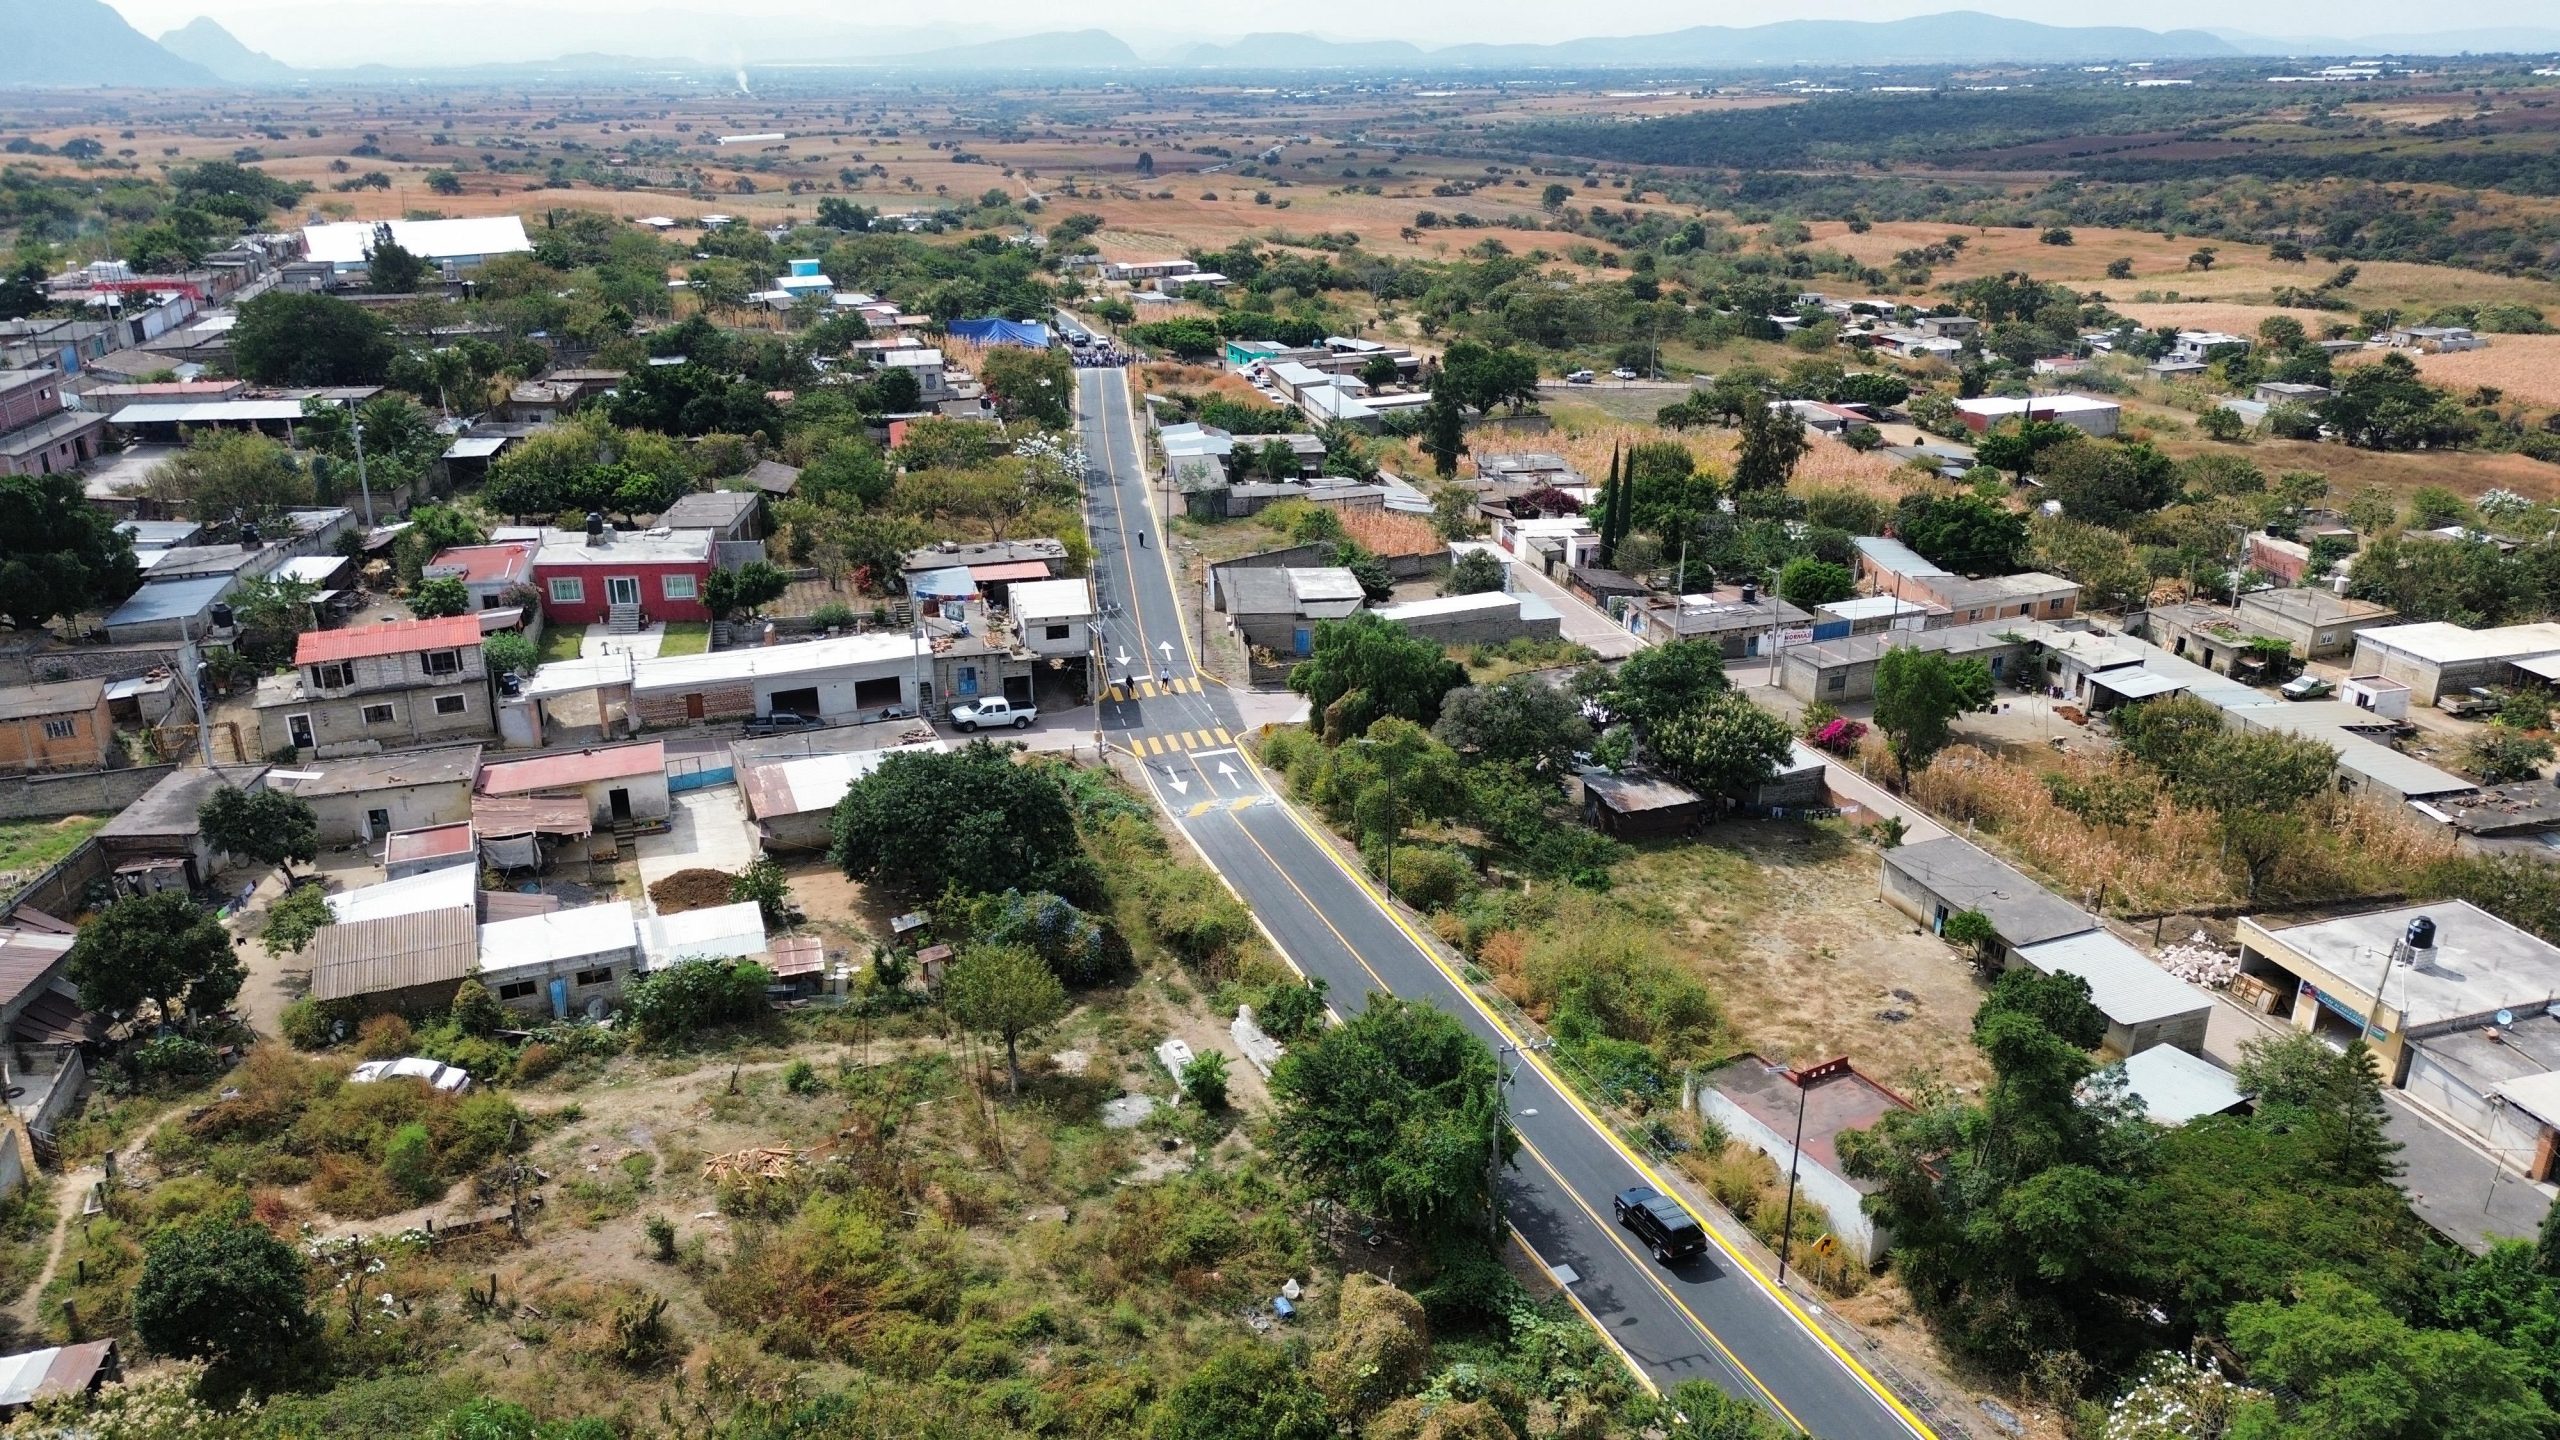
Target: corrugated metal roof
(346, 242)
(814, 782)
(369, 957)
(428, 843)
(60, 697)
(2176, 1087)
(476, 447)
(1004, 572)
(171, 600)
(499, 816)
(2123, 983)
(452, 632)
(561, 772)
(790, 955)
(1900, 559)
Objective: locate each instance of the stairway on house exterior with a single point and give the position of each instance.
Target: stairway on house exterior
(622, 619)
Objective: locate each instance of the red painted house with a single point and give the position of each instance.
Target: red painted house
(647, 574)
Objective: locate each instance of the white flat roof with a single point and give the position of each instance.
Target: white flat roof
(760, 662)
(2443, 643)
(570, 547)
(345, 242)
(1051, 600)
(547, 939)
(1868, 607)
(2049, 404)
(2482, 963)
(1489, 600)
(722, 932)
(207, 412)
(442, 889)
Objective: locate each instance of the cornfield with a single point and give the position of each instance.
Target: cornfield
(2172, 857)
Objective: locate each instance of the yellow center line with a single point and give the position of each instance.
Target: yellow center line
(1643, 1167)
(1526, 1146)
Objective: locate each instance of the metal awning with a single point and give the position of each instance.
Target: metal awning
(476, 447)
(1003, 572)
(2137, 684)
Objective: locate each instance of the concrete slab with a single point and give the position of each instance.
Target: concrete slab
(707, 830)
(2456, 1186)
(641, 644)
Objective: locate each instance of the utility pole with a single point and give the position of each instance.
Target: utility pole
(355, 427)
(1503, 1074)
(189, 671)
(1795, 1159)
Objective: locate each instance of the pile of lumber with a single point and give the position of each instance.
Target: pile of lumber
(762, 1162)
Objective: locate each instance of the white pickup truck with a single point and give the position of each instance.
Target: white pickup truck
(994, 710)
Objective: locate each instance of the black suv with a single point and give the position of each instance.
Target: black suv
(1661, 1223)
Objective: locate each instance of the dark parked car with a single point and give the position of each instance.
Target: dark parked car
(1662, 1223)
(783, 722)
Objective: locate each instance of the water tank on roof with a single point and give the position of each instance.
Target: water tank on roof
(1750, 594)
(595, 525)
(221, 616)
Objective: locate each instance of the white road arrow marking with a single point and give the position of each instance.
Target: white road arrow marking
(1167, 647)
(1123, 661)
(1226, 771)
(1180, 785)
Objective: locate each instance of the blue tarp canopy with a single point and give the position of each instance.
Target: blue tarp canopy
(993, 330)
(955, 583)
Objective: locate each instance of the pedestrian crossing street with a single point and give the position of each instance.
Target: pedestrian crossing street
(1149, 689)
(1179, 742)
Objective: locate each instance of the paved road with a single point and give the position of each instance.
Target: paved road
(1715, 1318)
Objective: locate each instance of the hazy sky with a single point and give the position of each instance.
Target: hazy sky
(344, 31)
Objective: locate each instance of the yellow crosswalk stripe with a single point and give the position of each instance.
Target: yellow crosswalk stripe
(1193, 739)
(1118, 694)
(1147, 689)
(1223, 737)
(1154, 746)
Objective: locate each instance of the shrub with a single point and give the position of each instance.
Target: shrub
(1430, 877)
(409, 1163)
(1837, 736)
(662, 1238)
(537, 1060)
(385, 1037)
(475, 1010)
(1205, 1080)
(692, 994)
(307, 1025)
(833, 617)
(801, 1078)
(175, 1057)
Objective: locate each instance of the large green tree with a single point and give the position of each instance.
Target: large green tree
(222, 1289)
(1517, 720)
(1004, 992)
(2352, 1370)
(1396, 1111)
(288, 337)
(1964, 533)
(2005, 1206)
(1724, 745)
(1364, 668)
(2107, 483)
(159, 947)
(231, 477)
(264, 825)
(1655, 683)
(1773, 442)
(1919, 694)
(970, 818)
(59, 555)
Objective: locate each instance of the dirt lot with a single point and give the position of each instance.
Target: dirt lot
(1808, 960)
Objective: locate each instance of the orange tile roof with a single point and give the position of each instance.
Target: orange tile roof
(453, 632)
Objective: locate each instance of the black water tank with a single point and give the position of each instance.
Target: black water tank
(595, 524)
(2422, 934)
(1750, 594)
(221, 616)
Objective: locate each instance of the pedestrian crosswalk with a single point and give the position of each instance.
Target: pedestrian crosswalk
(1177, 742)
(1149, 689)
(1231, 805)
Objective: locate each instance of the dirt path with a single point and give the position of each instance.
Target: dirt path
(70, 1195)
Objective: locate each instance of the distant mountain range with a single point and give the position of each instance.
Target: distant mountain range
(1957, 37)
(86, 43)
(209, 45)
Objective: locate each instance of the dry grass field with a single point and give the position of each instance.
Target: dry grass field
(2526, 367)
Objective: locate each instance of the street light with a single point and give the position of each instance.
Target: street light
(1395, 816)
(1795, 1160)
(1503, 1076)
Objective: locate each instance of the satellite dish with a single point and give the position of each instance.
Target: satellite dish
(2506, 1017)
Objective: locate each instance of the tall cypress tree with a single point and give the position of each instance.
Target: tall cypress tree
(1613, 520)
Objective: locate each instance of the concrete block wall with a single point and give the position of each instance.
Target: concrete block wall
(80, 792)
